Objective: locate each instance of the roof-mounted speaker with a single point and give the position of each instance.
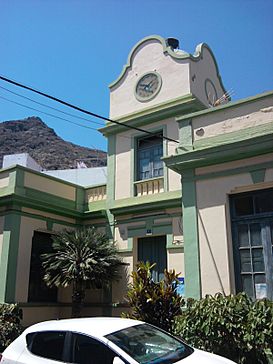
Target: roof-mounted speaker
(172, 42)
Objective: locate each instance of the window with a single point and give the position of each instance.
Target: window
(147, 344)
(149, 153)
(153, 250)
(86, 350)
(38, 290)
(48, 344)
(252, 229)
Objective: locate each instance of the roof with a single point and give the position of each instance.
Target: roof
(98, 326)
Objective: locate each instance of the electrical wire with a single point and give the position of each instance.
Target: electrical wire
(55, 116)
(80, 109)
(50, 107)
(46, 113)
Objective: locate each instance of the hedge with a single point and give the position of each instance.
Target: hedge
(233, 326)
(10, 326)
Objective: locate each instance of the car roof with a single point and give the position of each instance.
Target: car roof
(95, 326)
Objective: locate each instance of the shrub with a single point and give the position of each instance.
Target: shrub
(233, 326)
(10, 327)
(152, 302)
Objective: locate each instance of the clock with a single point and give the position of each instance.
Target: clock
(211, 92)
(148, 86)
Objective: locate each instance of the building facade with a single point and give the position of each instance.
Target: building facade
(189, 187)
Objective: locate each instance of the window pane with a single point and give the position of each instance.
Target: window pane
(146, 344)
(245, 260)
(243, 206)
(248, 285)
(48, 344)
(90, 351)
(260, 286)
(258, 260)
(150, 151)
(243, 235)
(264, 202)
(255, 235)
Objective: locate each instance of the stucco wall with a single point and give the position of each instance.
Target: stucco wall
(124, 175)
(216, 252)
(1, 234)
(48, 185)
(202, 70)
(4, 179)
(149, 57)
(27, 227)
(224, 121)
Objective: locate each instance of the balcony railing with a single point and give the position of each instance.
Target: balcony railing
(97, 193)
(149, 186)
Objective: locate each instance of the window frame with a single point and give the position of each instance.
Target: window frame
(265, 220)
(40, 293)
(33, 336)
(150, 149)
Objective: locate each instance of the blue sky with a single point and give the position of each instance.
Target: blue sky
(73, 49)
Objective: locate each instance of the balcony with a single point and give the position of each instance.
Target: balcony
(97, 193)
(149, 186)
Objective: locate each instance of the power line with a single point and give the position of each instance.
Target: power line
(80, 109)
(46, 113)
(50, 107)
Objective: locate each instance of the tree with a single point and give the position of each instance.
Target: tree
(82, 258)
(157, 303)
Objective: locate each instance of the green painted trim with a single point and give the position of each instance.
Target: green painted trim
(10, 188)
(232, 104)
(111, 169)
(169, 240)
(154, 216)
(42, 205)
(8, 263)
(18, 167)
(191, 238)
(80, 199)
(246, 169)
(165, 153)
(235, 136)
(258, 175)
(95, 206)
(149, 202)
(49, 225)
(130, 244)
(44, 197)
(12, 181)
(133, 160)
(168, 51)
(129, 248)
(173, 108)
(185, 135)
(254, 146)
(156, 229)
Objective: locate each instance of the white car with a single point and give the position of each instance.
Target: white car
(102, 340)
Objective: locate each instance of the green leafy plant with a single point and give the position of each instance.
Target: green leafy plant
(82, 258)
(10, 326)
(233, 326)
(157, 303)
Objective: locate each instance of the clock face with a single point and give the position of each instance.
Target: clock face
(148, 86)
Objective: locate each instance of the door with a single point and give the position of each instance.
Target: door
(153, 250)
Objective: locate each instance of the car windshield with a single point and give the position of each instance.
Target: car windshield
(149, 345)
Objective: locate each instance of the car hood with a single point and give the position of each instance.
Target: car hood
(203, 357)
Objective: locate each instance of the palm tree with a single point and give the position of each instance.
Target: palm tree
(82, 258)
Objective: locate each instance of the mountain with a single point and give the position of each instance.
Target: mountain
(34, 137)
